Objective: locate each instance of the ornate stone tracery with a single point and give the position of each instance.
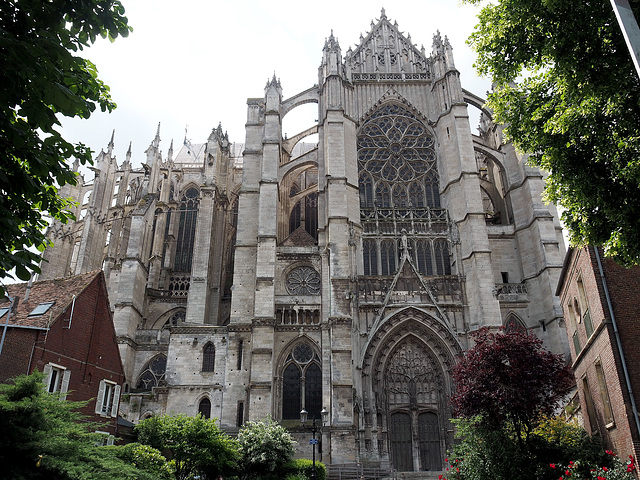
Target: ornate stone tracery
(412, 376)
(303, 281)
(399, 192)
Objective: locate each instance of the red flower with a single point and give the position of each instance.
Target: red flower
(552, 465)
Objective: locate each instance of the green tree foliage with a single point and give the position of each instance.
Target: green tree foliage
(303, 468)
(567, 90)
(195, 445)
(510, 380)
(146, 458)
(489, 454)
(41, 78)
(265, 447)
(44, 437)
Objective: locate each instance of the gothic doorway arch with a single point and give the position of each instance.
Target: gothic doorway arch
(415, 402)
(407, 375)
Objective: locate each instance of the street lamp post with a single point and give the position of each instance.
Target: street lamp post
(304, 415)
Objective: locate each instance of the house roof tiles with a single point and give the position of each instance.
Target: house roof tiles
(60, 291)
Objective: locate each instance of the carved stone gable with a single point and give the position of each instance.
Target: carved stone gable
(385, 50)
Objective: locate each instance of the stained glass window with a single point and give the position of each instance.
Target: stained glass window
(186, 231)
(388, 257)
(302, 380)
(153, 373)
(399, 193)
(423, 257)
(395, 147)
(370, 257)
(313, 391)
(291, 392)
(208, 358)
(443, 265)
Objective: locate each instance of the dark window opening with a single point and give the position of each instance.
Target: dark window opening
(208, 358)
(204, 408)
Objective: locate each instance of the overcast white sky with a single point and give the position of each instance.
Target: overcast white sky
(194, 63)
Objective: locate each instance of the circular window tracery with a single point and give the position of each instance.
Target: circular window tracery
(395, 147)
(302, 353)
(303, 281)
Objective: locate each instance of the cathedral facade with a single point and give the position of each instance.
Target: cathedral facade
(259, 279)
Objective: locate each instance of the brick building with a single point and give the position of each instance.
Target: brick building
(600, 303)
(64, 328)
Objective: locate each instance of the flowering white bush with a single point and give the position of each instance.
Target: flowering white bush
(265, 446)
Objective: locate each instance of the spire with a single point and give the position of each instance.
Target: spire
(383, 15)
(128, 156)
(331, 44)
(111, 144)
(170, 152)
(156, 141)
(274, 82)
(437, 43)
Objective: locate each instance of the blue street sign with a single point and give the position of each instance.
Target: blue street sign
(313, 441)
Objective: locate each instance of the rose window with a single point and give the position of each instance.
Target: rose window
(303, 281)
(395, 148)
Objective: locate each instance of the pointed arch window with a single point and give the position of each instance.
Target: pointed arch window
(311, 215)
(204, 408)
(423, 257)
(370, 257)
(208, 358)
(443, 265)
(301, 383)
(388, 257)
(514, 325)
(186, 230)
(295, 218)
(153, 373)
(366, 191)
(305, 212)
(397, 166)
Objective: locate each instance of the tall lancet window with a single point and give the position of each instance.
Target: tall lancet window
(301, 383)
(186, 230)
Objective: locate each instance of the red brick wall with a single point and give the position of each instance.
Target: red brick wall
(600, 347)
(87, 347)
(16, 351)
(624, 291)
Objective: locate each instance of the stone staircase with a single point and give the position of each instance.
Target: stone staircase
(417, 475)
(353, 471)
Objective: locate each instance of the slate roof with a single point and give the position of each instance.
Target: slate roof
(59, 290)
(299, 238)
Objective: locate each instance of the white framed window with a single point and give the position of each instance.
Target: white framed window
(108, 399)
(106, 439)
(56, 379)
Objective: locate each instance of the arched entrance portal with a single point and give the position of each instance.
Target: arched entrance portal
(415, 407)
(407, 384)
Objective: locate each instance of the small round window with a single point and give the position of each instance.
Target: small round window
(302, 353)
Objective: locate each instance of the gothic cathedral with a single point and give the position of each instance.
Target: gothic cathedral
(260, 279)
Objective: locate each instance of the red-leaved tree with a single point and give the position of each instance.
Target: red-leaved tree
(510, 380)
